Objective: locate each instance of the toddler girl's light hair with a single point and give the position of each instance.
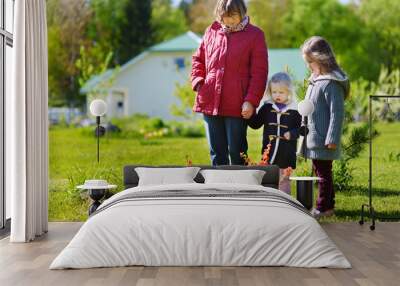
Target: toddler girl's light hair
(285, 80)
(318, 50)
(229, 8)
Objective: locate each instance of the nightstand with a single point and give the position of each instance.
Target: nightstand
(96, 190)
(304, 190)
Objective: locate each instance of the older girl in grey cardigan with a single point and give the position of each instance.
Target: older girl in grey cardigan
(327, 90)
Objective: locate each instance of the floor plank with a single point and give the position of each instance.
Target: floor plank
(374, 255)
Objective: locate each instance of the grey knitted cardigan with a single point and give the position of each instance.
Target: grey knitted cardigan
(327, 93)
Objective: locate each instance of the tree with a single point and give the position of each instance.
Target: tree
(382, 18)
(269, 16)
(339, 25)
(122, 26)
(166, 21)
(93, 62)
(184, 6)
(67, 22)
(201, 15)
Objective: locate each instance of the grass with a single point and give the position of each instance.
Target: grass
(73, 159)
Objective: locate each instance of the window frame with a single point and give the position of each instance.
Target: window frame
(6, 39)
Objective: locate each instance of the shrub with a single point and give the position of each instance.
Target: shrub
(342, 175)
(186, 97)
(351, 149)
(387, 84)
(193, 129)
(393, 157)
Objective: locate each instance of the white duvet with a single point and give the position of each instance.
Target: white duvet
(201, 231)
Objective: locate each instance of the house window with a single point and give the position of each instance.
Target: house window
(6, 45)
(180, 63)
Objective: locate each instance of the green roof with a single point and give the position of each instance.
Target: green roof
(186, 42)
(95, 80)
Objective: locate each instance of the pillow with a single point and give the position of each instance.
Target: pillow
(166, 176)
(248, 177)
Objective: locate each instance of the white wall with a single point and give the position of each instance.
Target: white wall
(151, 83)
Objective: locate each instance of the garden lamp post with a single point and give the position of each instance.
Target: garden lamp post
(305, 107)
(98, 108)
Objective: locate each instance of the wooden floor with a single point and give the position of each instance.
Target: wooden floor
(375, 256)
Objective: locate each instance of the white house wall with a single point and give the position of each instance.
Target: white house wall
(151, 83)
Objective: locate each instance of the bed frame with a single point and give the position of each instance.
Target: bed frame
(270, 179)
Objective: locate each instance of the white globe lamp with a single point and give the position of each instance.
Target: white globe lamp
(305, 107)
(98, 107)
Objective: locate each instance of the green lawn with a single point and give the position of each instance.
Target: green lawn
(73, 159)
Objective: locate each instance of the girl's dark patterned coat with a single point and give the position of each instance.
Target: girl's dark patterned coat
(276, 123)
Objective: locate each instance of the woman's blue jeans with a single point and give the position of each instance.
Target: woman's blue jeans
(226, 138)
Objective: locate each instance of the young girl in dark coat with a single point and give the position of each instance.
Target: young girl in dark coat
(281, 122)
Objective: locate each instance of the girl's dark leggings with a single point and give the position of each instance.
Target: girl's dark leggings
(326, 194)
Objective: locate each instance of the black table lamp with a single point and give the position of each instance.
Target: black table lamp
(98, 108)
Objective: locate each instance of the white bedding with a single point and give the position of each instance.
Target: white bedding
(203, 231)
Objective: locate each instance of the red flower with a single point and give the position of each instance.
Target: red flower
(189, 162)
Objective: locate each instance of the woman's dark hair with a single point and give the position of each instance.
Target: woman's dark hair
(318, 50)
(230, 8)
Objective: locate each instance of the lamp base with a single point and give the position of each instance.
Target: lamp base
(303, 130)
(96, 195)
(99, 131)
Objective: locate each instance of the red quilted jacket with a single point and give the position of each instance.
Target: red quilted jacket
(229, 69)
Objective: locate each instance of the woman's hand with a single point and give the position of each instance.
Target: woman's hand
(247, 110)
(331, 146)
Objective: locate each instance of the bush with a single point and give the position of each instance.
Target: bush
(393, 157)
(342, 175)
(351, 149)
(192, 129)
(387, 110)
(186, 97)
(141, 126)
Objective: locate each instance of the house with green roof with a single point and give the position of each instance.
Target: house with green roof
(147, 83)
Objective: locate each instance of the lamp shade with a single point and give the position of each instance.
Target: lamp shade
(98, 107)
(305, 107)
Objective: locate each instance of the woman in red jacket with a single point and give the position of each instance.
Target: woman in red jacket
(229, 74)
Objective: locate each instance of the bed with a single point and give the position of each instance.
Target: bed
(201, 224)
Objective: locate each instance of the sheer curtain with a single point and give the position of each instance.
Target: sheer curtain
(27, 124)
